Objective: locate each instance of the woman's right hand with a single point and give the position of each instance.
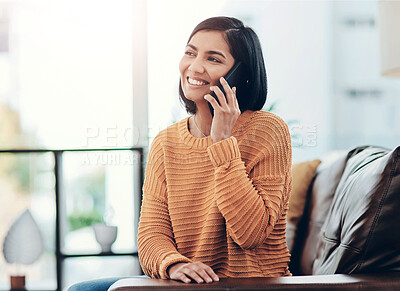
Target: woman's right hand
(197, 271)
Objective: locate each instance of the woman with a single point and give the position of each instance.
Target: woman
(216, 190)
(217, 186)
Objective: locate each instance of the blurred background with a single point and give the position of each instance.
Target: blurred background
(102, 74)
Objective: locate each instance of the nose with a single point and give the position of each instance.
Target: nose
(197, 66)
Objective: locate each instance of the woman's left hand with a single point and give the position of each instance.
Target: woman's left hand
(226, 113)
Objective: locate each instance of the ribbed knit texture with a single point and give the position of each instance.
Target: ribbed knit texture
(222, 204)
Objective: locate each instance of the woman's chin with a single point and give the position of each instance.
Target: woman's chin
(196, 98)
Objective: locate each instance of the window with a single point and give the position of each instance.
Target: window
(68, 77)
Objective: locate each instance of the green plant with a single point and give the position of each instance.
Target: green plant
(80, 220)
(88, 187)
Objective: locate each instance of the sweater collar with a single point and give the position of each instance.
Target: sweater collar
(205, 142)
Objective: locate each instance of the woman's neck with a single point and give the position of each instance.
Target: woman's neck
(200, 124)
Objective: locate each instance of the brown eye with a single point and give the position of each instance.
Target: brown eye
(214, 60)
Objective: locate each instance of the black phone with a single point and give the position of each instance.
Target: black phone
(236, 77)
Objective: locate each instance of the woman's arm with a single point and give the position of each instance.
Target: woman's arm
(252, 204)
(157, 249)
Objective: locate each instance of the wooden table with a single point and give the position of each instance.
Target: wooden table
(385, 281)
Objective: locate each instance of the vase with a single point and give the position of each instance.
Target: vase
(105, 235)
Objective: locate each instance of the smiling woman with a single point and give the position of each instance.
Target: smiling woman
(217, 186)
(227, 40)
(207, 57)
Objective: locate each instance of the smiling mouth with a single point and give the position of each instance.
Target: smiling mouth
(196, 82)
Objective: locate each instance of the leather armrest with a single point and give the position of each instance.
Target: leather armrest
(384, 281)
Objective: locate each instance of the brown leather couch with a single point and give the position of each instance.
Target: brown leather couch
(350, 225)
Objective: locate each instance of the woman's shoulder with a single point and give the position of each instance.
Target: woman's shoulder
(263, 120)
(268, 117)
(268, 131)
(171, 132)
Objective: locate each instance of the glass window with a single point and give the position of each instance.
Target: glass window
(66, 73)
(27, 182)
(66, 81)
(98, 187)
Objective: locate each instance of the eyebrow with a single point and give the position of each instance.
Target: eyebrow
(208, 52)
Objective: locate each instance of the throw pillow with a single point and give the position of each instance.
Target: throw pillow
(302, 174)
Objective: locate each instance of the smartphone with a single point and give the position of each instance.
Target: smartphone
(236, 77)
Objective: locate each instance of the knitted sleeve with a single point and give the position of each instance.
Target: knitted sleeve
(157, 249)
(252, 203)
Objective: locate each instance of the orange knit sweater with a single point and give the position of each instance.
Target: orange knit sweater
(223, 204)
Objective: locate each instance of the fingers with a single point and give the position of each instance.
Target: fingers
(227, 101)
(175, 273)
(220, 95)
(212, 101)
(235, 99)
(230, 95)
(179, 276)
(197, 271)
(204, 273)
(211, 273)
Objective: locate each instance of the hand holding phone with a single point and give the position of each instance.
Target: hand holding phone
(236, 77)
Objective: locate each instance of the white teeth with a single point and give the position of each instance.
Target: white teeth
(195, 82)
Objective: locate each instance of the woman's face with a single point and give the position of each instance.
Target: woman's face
(207, 58)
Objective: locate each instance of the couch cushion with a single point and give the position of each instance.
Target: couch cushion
(361, 233)
(302, 175)
(317, 206)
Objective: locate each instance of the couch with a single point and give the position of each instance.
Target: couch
(343, 228)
